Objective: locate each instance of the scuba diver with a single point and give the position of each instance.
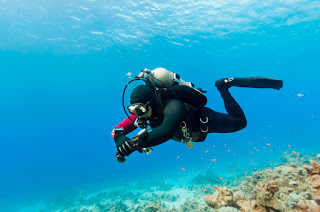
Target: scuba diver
(175, 109)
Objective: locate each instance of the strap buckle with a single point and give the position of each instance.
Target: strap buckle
(204, 125)
(186, 134)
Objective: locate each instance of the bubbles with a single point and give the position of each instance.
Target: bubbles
(129, 75)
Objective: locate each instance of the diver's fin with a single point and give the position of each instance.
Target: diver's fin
(249, 82)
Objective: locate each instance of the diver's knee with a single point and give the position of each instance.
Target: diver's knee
(244, 124)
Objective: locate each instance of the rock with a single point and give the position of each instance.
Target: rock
(266, 199)
(154, 207)
(313, 169)
(272, 187)
(307, 205)
(221, 198)
(247, 205)
(315, 166)
(235, 189)
(228, 209)
(239, 195)
(315, 195)
(314, 181)
(136, 207)
(293, 183)
(294, 199)
(306, 195)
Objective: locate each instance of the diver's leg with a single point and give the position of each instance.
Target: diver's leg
(233, 121)
(249, 82)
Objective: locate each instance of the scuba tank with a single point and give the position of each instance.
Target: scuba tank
(173, 86)
(163, 78)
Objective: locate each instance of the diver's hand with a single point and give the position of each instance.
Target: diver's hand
(125, 146)
(120, 158)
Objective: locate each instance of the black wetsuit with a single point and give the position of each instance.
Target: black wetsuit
(171, 116)
(175, 112)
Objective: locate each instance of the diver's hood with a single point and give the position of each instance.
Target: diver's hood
(142, 94)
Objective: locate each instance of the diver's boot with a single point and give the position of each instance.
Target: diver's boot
(249, 82)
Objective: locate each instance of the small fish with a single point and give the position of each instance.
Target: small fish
(245, 172)
(268, 144)
(271, 164)
(207, 151)
(204, 190)
(229, 150)
(286, 164)
(238, 166)
(300, 95)
(213, 159)
(221, 178)
(183, 169)
(233, 170)
(294, 152)
(178, 157)
(165, 182)
(214, 145)
(289, 145)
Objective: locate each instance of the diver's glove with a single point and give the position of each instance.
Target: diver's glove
(125, 146)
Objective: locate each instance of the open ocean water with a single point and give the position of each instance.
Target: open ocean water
(63, 68)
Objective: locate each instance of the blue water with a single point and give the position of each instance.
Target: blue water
(63, 68)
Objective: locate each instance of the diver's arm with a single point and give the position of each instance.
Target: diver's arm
(174, 113)
(125, 127)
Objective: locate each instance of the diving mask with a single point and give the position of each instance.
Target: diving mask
(139, 109)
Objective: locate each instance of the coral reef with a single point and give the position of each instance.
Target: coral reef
(296, 158)
(293, 186)
(284, 188)
(314, 179)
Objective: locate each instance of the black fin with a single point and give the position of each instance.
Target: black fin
(250, 82)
